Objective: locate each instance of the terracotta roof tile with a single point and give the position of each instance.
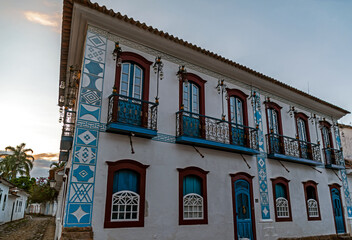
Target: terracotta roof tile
(66, 25)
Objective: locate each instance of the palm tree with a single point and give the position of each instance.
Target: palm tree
(19, 162)
(57, 165)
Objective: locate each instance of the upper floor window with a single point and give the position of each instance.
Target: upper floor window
(303, 135)
(326, 134)
(125, 200)
(312, 201)
(131, 83)
(237, 108)
(192, 196)
(281, 199)
(273, 114)
(190, 97)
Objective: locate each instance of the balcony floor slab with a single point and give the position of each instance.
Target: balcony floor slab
(293, 159)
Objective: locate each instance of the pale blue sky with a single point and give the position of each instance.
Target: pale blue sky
(298, 42)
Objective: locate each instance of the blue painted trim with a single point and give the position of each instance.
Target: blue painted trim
(334, 166)
(126, 129)
(294, 159)
(216, 145)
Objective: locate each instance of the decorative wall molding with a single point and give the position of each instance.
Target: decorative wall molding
(79, 205)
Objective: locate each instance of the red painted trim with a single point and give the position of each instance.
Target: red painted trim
(248, 178)
(145, 65)
(272, 105)
(202, 175)
(284, 182)
(338, 187)
(200, 83)
(328, 126)
(304, 117)
(241, 95)
(141, 170)
(313, 184)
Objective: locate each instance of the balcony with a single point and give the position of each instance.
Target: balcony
(293, 150)
(199, 130)
(333, 158)
(128, 115)
(68, 130)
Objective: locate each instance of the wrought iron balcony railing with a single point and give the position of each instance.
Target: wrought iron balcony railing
(211, 132)
(333, 158)
(292, 149)
(68, 127)
(132, 115)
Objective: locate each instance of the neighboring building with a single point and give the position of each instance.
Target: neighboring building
(13, 202)
(263, 163)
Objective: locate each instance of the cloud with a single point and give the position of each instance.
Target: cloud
(46, 156)
(44, 19)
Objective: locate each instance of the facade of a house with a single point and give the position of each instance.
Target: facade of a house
(165, 140)
(13, 202)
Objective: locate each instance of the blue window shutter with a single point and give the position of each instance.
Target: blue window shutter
(192, 184)
(125, 180)
(280, 191)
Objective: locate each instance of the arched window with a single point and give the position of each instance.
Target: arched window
(192, 105)
(282, 199)
(302, 128)
(132, 87)
(192, 196)
(312, 201)
(237, 112)
(327, 143)
(125, 200)
(274, 127)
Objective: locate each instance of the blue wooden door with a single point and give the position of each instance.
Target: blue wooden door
(337, 208)
(131, 86)
(243, 208)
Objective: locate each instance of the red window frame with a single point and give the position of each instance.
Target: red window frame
(328, 126)
(141, 62)
(141, 170)
(313, 184)
(304, 117)
(200, 83)
(277, 108)
(284, 182)
(183, 172)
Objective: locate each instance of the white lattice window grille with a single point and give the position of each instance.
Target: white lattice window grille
(125, 206)
(313, 208)
(282, 207)
(192, 206)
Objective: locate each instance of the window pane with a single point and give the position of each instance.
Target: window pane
(280, 191)
(125, 180)
(192, 184)
(186, 96)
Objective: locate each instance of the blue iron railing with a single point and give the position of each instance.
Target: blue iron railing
(217, 130)
(333, 156)
(279, 144)
(132, 111)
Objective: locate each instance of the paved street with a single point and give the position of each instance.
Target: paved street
(30, 228)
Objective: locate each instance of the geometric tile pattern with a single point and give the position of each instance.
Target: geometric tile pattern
(85, 147)
(343, 173)
(164, 138)
(261, 159)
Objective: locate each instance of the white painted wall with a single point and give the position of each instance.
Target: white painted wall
(4, 191)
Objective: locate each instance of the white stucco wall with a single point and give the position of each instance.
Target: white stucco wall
(161, 218)
(4, 189)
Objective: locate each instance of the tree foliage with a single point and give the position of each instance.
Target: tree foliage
(20, 162)
(41, 192)
(24, 183)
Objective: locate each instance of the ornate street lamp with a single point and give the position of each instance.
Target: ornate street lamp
(158, 70)
(221, 87)
(117, 53)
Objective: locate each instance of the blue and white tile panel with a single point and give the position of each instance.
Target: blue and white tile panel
(343, 174)
(85, 149)
(261, 160)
